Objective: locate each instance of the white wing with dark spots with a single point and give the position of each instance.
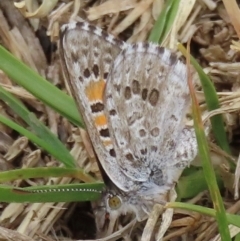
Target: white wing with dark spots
(146, 99)
(87, 54)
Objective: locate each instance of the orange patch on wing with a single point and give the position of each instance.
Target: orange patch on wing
(100, 120)
(94, 91)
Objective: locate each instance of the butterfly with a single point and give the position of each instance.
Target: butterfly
(133, 99)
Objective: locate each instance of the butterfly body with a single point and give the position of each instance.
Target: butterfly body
(133, 98)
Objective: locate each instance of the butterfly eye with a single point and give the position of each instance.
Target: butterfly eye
(114, 202)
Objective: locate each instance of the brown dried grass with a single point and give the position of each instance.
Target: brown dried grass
(213, 34)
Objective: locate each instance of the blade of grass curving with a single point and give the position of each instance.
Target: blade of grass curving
(56, 145)
(212, 103)
(43, 172)
(30, 136)
(164, 22)
(52, 193)
(39, 87)
(46, 139)
(206, 163)
(231, 218)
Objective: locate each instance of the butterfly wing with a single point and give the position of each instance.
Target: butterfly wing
(146, 97)
(87, 54)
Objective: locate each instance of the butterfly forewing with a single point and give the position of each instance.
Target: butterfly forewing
(87, 54)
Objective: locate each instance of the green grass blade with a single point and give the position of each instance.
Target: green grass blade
(208, 167)
(39, 87)
(54, 144)
(23, 131)
(164, 22)
(231, 218)
(43, 172)
(53, 193)
(38, 141)
(45, 138)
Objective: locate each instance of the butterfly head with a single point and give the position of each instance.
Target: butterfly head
(115, 203)
(112, 205)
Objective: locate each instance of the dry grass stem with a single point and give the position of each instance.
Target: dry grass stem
(30, 31)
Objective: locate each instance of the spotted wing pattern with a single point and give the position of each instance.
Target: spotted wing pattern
(133, 99)
(146, 100)
(87, 54)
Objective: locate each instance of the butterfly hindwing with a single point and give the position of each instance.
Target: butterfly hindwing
(146, 98)
(133, 99)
